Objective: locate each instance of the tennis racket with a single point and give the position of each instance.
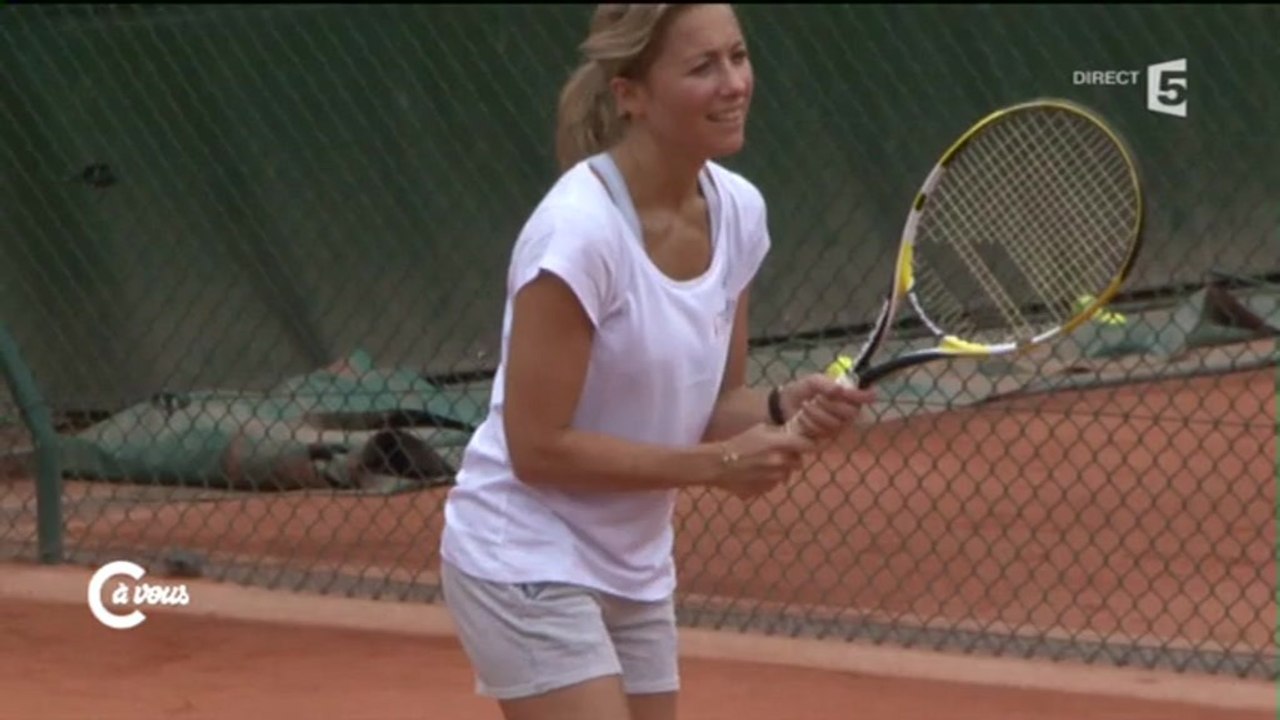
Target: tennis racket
(1025, 228)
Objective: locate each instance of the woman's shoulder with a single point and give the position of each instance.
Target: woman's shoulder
(573, 224)
(739, 188)
(576, 204)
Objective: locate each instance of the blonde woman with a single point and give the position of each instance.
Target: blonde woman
(622, 378)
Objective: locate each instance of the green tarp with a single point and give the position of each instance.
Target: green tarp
(347, 426)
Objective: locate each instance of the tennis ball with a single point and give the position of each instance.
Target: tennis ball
(1107, 317)
(841, 365)
(1102, 316)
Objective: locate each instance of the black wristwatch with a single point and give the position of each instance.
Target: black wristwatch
(775, 407)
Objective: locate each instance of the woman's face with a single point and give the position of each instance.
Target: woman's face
(698, 90)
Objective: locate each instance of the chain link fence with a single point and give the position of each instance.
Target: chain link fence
(252, 285)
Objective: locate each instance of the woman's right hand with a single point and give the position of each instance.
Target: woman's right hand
(761, 458)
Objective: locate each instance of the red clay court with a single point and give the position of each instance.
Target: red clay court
(60, 663)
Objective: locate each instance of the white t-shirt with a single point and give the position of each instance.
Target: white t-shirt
(655, 371)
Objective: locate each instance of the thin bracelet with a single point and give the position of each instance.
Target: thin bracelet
(728, 457)
(775, 407)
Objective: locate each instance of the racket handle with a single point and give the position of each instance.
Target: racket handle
(844, 379)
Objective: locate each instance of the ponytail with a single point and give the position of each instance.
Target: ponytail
(588, 122)
(621, 41)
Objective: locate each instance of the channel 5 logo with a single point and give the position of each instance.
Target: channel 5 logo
(1167, 87)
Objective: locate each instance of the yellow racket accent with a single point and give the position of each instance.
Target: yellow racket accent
(906, 278)
(956, 346)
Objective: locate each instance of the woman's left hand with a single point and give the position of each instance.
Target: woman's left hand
(820, 407)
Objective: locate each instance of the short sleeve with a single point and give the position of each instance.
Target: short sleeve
(759, 242)
(755, 241)
(563, 243)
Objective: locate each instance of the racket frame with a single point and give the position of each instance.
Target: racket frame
(861, 374)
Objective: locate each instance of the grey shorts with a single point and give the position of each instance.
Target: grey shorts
(530, 638)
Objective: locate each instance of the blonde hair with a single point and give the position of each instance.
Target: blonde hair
(621, 42)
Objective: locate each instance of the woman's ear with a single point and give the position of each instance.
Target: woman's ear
(627, 97)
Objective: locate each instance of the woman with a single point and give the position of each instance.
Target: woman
(622, 378)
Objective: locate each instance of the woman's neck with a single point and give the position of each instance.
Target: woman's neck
(657, 179)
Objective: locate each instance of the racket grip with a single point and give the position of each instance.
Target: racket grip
(793, 425)
(844, 379)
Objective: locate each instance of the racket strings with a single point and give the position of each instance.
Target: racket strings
(1027, 211)
(1036, 212)
(1096, 218)
(1054, 280)
(957, 214)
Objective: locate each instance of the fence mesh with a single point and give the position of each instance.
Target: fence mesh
(254, 262)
